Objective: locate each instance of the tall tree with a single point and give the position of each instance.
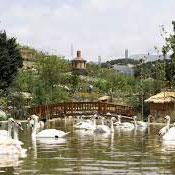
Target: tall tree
(10, 60)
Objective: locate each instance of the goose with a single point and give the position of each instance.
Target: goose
(46, 133)
(103, 128)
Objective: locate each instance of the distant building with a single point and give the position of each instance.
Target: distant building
(161, 104)
(99, 60)
(124, 69)
(79, 64)
(126, 53)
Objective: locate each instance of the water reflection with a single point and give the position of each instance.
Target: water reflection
(50, 142)
(83, 152)
(168, 146)
(9, 161)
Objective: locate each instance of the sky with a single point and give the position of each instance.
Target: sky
(96, 27)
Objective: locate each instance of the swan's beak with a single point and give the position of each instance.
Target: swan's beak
(29, 118)
(19, 126)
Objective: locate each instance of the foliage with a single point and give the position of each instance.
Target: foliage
(102, 85)
(123, 61)
(84, 96)
(3, 102)
(45, 84)
(51, 69)
(163, 70)
(10, 60)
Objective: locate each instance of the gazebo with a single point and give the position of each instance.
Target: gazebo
(161, 104)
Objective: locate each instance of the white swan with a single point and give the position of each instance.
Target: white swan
(125, 125)
(165, 129)
(40, 124)
(9, 146)
(88, 124)
(170, 134)
(46, 133)
(7, 133)
(103, 128)
(140, 124)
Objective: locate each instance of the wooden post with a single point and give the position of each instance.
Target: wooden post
(65, 107)
(99, 107)
(105, 108)
(71, 108)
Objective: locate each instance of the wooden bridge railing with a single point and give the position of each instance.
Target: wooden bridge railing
(74, 108)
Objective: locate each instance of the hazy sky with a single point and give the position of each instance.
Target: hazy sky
(97, 27)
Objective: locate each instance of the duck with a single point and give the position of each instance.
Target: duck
(46, 133)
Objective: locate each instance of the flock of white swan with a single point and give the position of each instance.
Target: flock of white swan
(10, 143)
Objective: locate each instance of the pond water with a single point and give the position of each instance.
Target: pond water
(134, 152)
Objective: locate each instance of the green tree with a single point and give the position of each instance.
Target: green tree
(10, 60)
(52, 69)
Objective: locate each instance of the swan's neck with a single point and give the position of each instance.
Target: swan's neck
(9, 130)
(112, 126)
(102, 121)
(119, 120)
(34, 129)
(33, 132)
(94, 123)
(168, 123)
(15, 133)
(135, 122)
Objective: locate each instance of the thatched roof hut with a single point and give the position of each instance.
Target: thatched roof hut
(162, 97)
(161, 104)
(105, 98)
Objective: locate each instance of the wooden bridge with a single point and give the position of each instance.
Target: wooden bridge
(85, 108)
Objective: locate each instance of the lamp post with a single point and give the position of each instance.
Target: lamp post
(142, 93)
(173, 59)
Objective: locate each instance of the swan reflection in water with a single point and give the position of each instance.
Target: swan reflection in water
(168, 145)
(46, 143)
(10, 161)
(85, 136)
(50, 142)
